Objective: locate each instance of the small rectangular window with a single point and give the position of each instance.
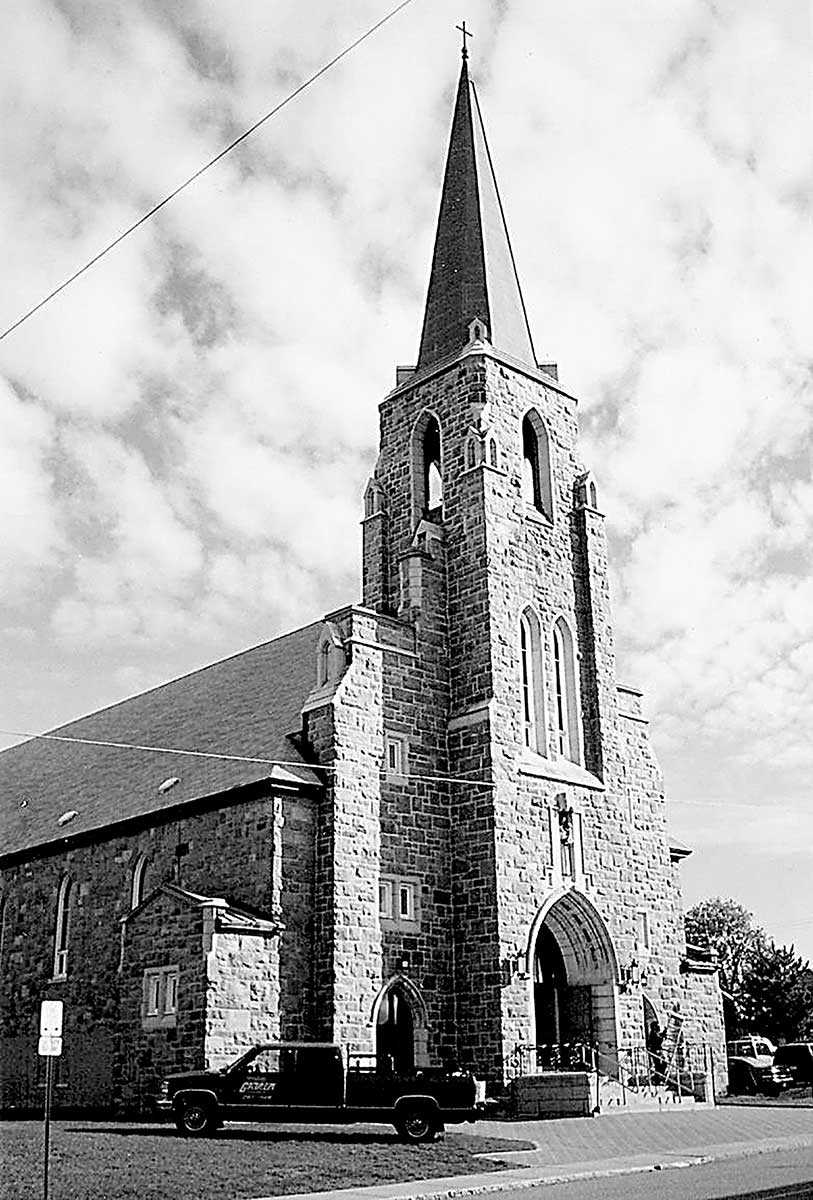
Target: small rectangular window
(171, 992)
(398, 900)
(152, 993)
(160, 1004)
(642, 932)
(395, 754)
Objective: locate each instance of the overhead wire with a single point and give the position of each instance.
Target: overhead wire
(301, 764)
(197, 174)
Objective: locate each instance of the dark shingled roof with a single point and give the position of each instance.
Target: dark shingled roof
(473, 270)
(248, 705)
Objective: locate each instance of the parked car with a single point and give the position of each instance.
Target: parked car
(751, 1068)
(796, 1057)
(311, 1082)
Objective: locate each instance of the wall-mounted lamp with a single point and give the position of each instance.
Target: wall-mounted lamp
(514, 967)
(630, 974)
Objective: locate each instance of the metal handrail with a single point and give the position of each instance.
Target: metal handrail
(635, 1068)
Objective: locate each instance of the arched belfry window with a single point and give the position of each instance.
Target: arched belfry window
(536, 478)
(565, 695)
(532, 682)
(432, 473)
(138, 880)
(62, 928)
(427, 468)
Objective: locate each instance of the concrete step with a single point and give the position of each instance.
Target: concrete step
(650, 1097)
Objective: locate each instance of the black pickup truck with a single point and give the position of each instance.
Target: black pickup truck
(310, 1082)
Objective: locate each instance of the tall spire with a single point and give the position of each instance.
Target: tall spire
(473, 271)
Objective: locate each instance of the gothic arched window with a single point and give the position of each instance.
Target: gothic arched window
(62, 928)
(432, 474)
(531, 682)
(427, 468)
(565, 697)
(536, 478)
(138, 880)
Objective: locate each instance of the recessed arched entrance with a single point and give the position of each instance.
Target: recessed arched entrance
(399, 1014)
(574, 971)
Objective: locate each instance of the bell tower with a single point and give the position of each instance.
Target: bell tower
(485, 548)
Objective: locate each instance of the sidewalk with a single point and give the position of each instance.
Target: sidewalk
(579, 1148)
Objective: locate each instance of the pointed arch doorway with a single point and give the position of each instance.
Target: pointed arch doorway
(574, 974)
(400, 1026)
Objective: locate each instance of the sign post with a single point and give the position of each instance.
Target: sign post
(50, 1047)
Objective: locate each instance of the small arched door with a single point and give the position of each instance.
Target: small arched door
(395, 1031)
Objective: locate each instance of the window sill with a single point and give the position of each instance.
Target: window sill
(560, 769)
(160, 1021)
(536, 517)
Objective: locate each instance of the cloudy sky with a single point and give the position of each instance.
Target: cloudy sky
(187, 430)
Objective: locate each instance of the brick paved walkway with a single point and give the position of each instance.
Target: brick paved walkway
(629, 1142)
(693, 1131)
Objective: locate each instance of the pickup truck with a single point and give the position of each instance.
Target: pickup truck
(310, 1082)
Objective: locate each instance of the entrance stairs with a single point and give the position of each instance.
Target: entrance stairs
(614, 1097)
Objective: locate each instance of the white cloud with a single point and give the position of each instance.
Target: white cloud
(31, 541)
(190, 425)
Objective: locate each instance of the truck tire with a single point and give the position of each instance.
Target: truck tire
(418, 1124)
(196, 1118)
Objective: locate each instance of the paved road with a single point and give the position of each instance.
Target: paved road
(778, 1176)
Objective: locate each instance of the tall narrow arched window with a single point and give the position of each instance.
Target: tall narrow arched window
(432, 472)
(531, 682)
(536, 477)
(138, 880)
(62, 928)
(324, 664)
(565, 695)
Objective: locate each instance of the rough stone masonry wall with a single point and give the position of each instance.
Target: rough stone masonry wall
(167, 932)
(501, 555)
(530, 561)
(562, 569)
(347, 734)
(458, 864)
(229, 853)
(242, 991)
(415, 829)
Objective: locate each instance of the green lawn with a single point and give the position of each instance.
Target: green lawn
(105, 1161)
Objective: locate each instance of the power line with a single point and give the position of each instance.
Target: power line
(301, 764)
(156, 207)
(241, 758)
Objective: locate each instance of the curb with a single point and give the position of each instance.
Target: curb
(491, 1186)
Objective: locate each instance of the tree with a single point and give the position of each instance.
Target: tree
(728, 928)
(777, 993)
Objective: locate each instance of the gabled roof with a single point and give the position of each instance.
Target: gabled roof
(247, 705)
(230, 916)
(473, 271)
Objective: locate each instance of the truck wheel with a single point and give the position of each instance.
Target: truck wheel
(418, 1125)
(196, 1118)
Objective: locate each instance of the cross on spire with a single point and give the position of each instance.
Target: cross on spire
(466, 34)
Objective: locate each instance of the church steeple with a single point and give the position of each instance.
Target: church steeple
(473, 271)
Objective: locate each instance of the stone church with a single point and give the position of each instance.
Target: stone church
(430, 825)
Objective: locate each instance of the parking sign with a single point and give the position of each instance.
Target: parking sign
(51, 1019)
